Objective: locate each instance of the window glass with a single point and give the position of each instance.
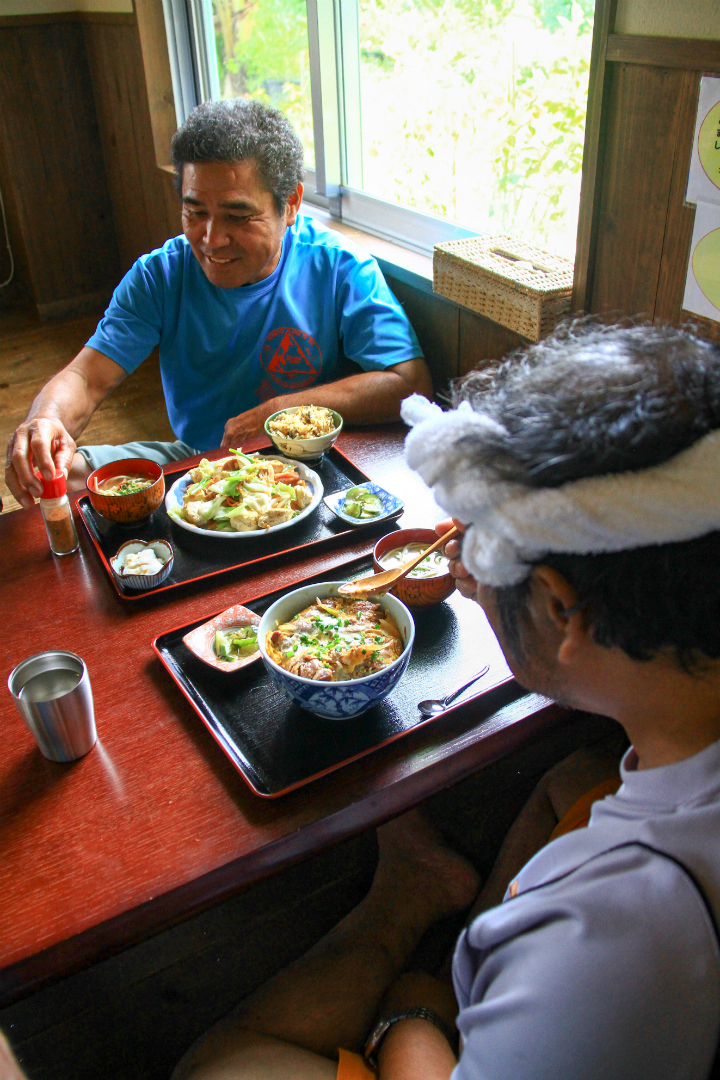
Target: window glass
(474, 110)
(262, 52)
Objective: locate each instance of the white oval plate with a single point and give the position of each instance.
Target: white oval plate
(174, 499)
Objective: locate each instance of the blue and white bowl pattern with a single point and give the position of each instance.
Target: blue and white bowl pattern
(391, 504)
(338, 700)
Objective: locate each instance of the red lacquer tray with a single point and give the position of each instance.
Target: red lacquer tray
(198, 557)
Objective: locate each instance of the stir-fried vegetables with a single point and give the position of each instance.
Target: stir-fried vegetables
(361, 503)
(235, 642)
(243, 493)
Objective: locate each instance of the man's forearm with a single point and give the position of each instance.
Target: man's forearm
(415, 1050)
(74, 394)
(370, 397)
(65, 398)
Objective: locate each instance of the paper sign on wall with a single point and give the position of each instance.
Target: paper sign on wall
(704, 178)
(702, 285)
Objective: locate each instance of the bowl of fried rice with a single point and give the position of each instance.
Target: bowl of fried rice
(304, 432)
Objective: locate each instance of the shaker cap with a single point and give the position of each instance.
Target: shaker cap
(53, 489)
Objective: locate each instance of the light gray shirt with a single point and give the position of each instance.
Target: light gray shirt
(605, 964)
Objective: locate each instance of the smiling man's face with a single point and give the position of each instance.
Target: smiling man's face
(231, 223)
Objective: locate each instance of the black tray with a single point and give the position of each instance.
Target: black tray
(277, 746)
(198, 557)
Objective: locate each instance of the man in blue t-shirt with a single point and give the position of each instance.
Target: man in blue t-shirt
(253, 308)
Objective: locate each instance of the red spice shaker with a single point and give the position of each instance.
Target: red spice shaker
(57, 514)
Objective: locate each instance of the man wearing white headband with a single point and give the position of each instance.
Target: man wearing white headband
(587, 473)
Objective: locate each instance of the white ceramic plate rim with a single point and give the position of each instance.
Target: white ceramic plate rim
(310, 590)
(175, 494)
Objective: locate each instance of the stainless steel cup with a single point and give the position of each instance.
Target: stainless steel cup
(52, 692)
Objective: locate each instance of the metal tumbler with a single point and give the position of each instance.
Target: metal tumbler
(52, 692)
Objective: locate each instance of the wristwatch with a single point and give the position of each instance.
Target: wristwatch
(418, 1012)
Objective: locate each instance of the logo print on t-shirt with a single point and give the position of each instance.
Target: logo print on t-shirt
(291, 358)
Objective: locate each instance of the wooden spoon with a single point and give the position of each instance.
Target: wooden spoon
(377, 584)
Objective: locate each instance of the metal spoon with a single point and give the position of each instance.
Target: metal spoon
(434, 708)
(377, 584)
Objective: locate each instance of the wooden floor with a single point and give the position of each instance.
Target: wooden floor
(32, 352)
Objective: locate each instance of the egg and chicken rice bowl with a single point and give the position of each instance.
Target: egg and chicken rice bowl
(336, 640)
(306, 422)
(243, 493)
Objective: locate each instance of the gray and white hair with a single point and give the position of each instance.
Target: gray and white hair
(596, 452)
(242, 130)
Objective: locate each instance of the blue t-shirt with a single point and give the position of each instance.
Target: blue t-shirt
(223, 351)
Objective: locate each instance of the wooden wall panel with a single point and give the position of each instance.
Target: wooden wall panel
(18, 293)
(436, 323)
(642, 132)
(156, 62)
(51, 140)
(483, 341)
(141, 213)
(680, 216)
(593, 155)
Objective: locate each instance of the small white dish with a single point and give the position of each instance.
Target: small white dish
(174, 500)
(391, 504)
(142, 582)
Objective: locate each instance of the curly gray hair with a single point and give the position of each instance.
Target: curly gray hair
(241, 130)
(593, 400)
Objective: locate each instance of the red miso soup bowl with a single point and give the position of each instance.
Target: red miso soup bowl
(127, 509)
(415, 592)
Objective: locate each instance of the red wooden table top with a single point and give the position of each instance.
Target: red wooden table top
(155, 823)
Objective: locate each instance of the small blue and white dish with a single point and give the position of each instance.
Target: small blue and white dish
(335, 700)
(391, 504)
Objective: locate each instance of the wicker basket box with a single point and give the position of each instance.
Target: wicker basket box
(505, 280)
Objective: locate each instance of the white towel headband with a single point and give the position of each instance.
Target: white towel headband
(511, 525)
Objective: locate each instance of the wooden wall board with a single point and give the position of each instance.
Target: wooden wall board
(643, 113)
(482, 341)
(50, 134)
(18, 293)
(436, 323)
(593, 156)
(117, 17)
(689, 53)
(158, 80)
(680, 214)
(135, 185)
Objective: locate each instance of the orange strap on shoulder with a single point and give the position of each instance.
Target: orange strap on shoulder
(352, 1067)
(578, 815)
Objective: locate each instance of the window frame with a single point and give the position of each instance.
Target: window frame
(335, 184)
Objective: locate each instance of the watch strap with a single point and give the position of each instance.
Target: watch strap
(417, 1012)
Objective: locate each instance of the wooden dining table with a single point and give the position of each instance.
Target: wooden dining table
(155, 824)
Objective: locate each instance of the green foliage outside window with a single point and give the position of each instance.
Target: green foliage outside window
(262, 51)
(471, 109)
